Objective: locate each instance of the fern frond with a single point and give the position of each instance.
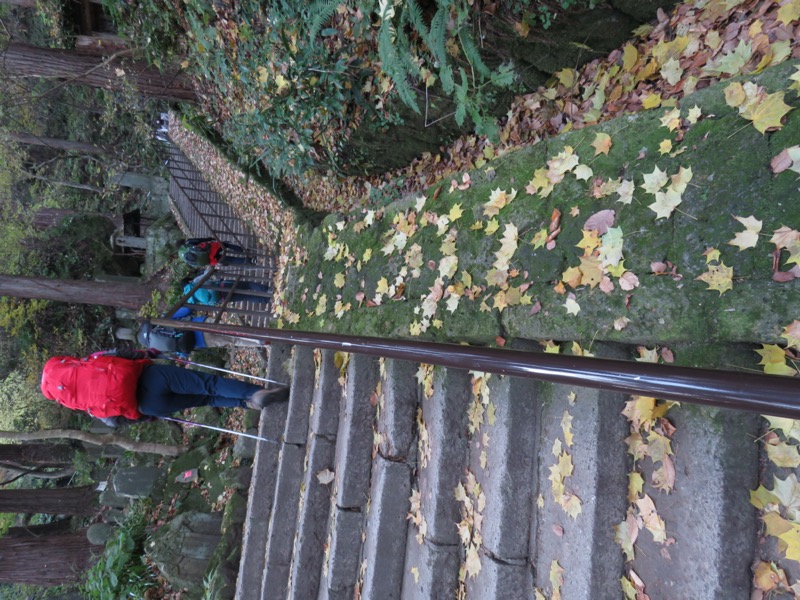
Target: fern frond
(322, 11)
(394, 66)
(472, 53)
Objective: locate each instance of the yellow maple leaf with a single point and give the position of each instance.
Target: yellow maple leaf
(773, 359)
(472, 561)
(566, 427)
(590, 241)
(789, 12)
(338, 280)
(694, 114)
(540, 238)
(550, 347)
(768, 112)
(718, 277)
(591, 271)
(571, 504)
(572, 277)
(749, 237)
(792, 541)
(652, 101)
(671, 119)
(630, 55)
(455, 212)
(652, 522)
(665, 147)
(383, 286)
(601, 143)
(761, 497)
(790, 428)
(635, 485)
(491, 227)
(783, 454)
(712, 255)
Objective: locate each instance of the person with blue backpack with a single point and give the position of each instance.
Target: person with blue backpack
(179, 341)
(212, 297)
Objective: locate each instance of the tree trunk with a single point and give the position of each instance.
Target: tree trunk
(55, 143)
(108, 439)
(59, 526)
(48, 560)
(77, 501)
(22, 60)
(37, 455)
(118, 295)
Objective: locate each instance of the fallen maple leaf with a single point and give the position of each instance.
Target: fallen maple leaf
(601, 143)
(767, 113)
(600, 221)
(773, 359)
(718, 277)
(749, 237)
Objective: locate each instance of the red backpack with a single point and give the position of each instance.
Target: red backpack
(104, 386)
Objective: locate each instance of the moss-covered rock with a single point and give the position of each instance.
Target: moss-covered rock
(730, 162)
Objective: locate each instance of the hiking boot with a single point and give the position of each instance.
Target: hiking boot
(263, 398)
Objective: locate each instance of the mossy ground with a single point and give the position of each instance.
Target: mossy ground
(731, 176)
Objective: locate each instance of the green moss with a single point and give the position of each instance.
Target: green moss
(726, 182)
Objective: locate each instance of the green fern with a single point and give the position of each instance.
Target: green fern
(322, 11)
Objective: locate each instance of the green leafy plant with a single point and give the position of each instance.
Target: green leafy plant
(121, 571)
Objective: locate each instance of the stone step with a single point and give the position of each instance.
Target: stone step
(708, 514)
(282, 524)
(462, 487)
(502, 459)
(316, 496)
(262, 485)
(392, 468)
(594, 442)
(353, 469)
(433, 548)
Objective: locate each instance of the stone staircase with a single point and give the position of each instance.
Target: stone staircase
(395, 481)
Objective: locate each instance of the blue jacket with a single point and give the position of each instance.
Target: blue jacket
(199, 340)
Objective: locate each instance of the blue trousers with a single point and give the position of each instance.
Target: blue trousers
(165, 389)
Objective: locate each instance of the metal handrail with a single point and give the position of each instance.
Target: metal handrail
(768, 394)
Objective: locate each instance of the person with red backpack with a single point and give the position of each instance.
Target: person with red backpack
(126, 383)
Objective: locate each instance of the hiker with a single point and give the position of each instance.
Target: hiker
(174, 339)
(204, 252)
(212, 297)
(127, 383)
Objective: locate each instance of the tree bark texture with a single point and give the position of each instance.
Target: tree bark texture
(77, 501)
(22, 60)
(48, 560)
(37, 455)
(118, 295)
(108, 439)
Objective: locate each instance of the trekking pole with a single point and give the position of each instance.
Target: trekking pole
(228, 371)
(222, 429)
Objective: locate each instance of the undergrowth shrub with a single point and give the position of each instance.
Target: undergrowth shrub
(121, 571)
